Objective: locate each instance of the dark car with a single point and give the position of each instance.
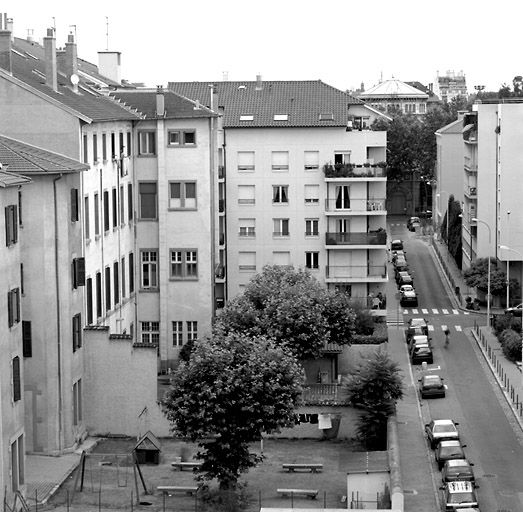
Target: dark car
(413, 223)
(415, 331)
(396, 245)
(515, 311)
(421, 354)
(398, 254)
(406, 279)
(459, 496)
(449, 450)
(419, 339)
(415, 323)
(431, 386)
(457, 469)
(441, 430)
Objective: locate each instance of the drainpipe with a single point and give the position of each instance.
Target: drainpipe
(58, 316)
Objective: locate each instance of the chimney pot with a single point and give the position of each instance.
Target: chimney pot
(259, 83)
(71, 56)
(5, 51)
(160, 101)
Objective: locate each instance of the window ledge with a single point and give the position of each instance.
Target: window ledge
(182, 146)
(184, 279)
(149, 290)
(147, 156)
(182, 209)
(148, 220)
(280, 204)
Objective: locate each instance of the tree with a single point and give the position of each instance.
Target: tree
(454, 231)
(231, 391)
(476, 276)
(375, 386)
(291, 307)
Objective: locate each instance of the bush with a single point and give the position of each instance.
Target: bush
(511, 345)
(502, 323)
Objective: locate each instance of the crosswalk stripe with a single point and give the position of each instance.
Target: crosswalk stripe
(431, 327)
(435, 311)
(425, 311)
(414, 311)
(458, 328)
(443, 327)
(466, 313)
(455, 312)
(445, 311)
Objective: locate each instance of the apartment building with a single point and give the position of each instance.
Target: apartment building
(450, 85)
(302, 182)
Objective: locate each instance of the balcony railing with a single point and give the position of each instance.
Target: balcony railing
(378, 170)
(470, 165)
(356, 271)
(355, 205)
(321, 392)
(377, 238)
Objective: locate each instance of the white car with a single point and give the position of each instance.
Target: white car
(408, 295)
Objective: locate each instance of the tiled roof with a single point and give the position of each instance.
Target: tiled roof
(454, 127)
(9, 179)
(175, 105)
(394, 88)
(303, 102)
(26, 159)
(28, 66)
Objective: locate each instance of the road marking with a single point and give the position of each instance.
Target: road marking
(455, 312)
(435, 311)
(443, 327)
(445, 311)
(414, 311)
(431, 327)
(425, 311)
(458, 328)
(405, 311)
(466, 313)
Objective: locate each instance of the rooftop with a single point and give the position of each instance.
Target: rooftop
(393, 88)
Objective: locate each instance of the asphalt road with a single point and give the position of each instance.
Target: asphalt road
(493, 441)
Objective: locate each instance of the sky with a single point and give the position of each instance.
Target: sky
(341, 42)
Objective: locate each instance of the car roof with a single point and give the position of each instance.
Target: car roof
(460, 486)
(443, 422)
(418, 321)
(457, 463)
(414, 218)
(431, 377)
(403, 273)
(397, 241)
(445, 444)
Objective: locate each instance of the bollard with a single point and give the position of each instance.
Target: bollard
(424, 365)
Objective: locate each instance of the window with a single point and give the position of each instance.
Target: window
(312, 160)
(11, 225)
(13, 307)
(246, 117)
(281, 227)
(74, 205)
(192, 331)
(107, 288)
(326, 116)
(149, 262)
(106, 211)
(130, 202)
(147, 143)
(280, 160)
(122, 204)
(104, 147)
(341, 157)
(282, 258)
(311, 227)
(312, 260)
(280, 194)
(184, 264)
(20, 208)
(17, 463)
(181, 138)
(182, 194)
(113, 146)
(95, 148)
(89, 300)
(123, 277)
(98, 295)
(312, 194)
(342, 197)
(86, 158)
(150, 332)
(120, 139)
(115, 208)
(247, 228)
(422, 108)
(78, 272)
(246, 161)
(77, 332)
(281, 117)
(247, 261)
(96, 215)
(116, 283)
(86, 218)
(128, 143)
(246, 194)
(17, 387)
(27, 339)
(77, 402)
(177, 334)
(22, 278)
(147, 200)
(131, 272)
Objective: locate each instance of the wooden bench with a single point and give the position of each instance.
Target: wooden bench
(309, 493)
(313, 468)
(188, 465)
(173, 489)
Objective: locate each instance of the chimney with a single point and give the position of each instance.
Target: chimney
(9, 26)
(71, 58)
(50, 60)
(160, 101)
(5, 50)
(259, 83)
(109, 65)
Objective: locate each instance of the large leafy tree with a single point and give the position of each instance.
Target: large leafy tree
(375, 386)
(293, 308)
(476, 276)
(231, 391)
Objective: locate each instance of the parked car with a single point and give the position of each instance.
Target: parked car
(457, 469)
(408, 295)
(396, 245)
(515, 311)
(400, 261)
(431, 386)
(441, 430)
(413, 223)
(398, 254)
(449, 450)
(405, 278)
(415, 331)
(419, 339)
(418, 323)
(420, 354)
(459, 496)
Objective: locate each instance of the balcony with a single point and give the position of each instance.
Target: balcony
(219, 271)
(221, 205)
(319, 393)
(471, 167)
(222, 238)
(356, 172)
(356, 206)
(221, 172)
(471, 192)
(356, 273)
(375, 238)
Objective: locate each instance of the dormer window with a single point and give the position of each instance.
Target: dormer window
(326, 116)
(246, 117)
(281, 117)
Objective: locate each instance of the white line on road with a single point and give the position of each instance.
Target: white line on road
(435, 311)
(414, 311)
(425, 311)
(458, 328)
(455, 312)
(445, 311)
(431, 327)
(443, 327)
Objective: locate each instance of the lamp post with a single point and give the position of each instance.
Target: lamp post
(448, 197)
(488, 277)
(508, 261)
(507, 248)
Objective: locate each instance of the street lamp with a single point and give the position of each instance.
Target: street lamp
(488, 277)
(508, 261)
(507, 248)
(448, 197)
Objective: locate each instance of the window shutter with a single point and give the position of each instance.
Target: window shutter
(7, 237)
(9, 310)
(27, 339)
(74, 204)
(78, 272)
(16, 379)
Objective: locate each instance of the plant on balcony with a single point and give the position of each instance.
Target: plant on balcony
(375, 387)
(366, 164)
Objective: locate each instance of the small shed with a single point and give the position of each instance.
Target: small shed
(147, 449)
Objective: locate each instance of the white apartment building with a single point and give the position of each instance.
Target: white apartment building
(300, 183)
(450, 85)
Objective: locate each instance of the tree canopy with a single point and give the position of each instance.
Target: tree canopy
(231, 391)
(476, 276)
(293, 308)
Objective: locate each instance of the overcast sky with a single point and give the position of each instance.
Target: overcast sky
(341, 42)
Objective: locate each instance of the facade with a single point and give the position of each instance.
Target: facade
(450, 86)
(300, 184)
(395, 96)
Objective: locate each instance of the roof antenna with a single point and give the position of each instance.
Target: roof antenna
(74, 26)
(54, 24)
(107, 33)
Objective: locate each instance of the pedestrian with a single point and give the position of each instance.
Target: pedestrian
(447, 333)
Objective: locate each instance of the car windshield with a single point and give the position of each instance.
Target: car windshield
(450, 451)
(462, 497)
(432, 382)
(441, 429)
